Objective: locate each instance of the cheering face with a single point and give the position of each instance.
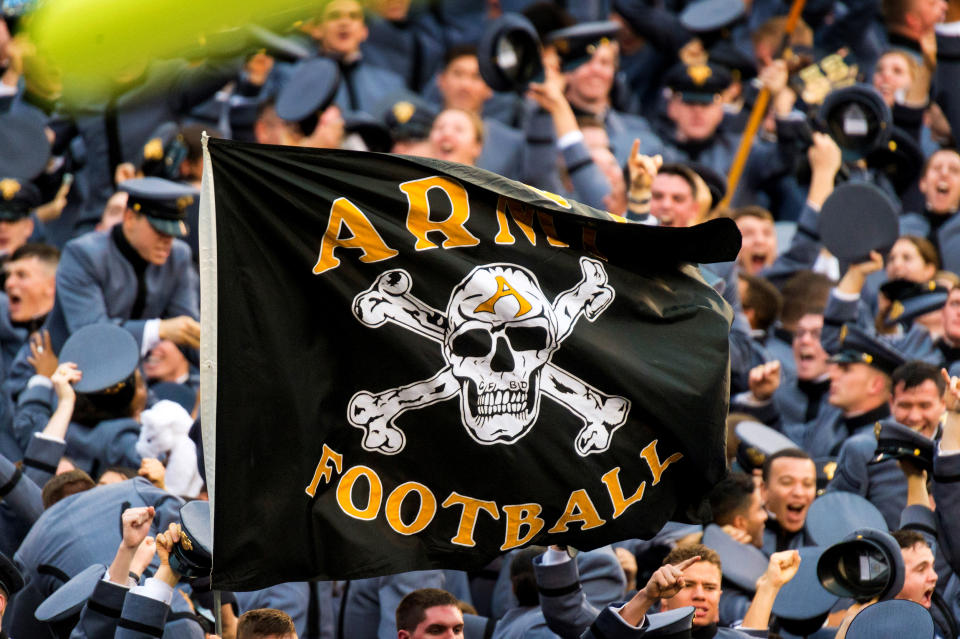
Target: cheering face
(808, 353)
(30, 288)
(789, 491)
(951, 317)
(150, 244)
(165, 363)
(919, 407)
(756, 518)
(14, 234)
(921, 578)
(461, 85)
(439, 622)
(454, 137)
(696, 122)
(906, 263)
(591, 82)
(893, 73)
(852, 385)
(672, 201)
(701, 589)
(759, 248)
(940, 183)
(343, 29)
(927, 13)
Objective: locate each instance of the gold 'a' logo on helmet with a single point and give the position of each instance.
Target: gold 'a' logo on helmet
(8, 188)
(699, 73)
(153, 150)
(403, 111)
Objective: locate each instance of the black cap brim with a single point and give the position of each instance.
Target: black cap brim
(174, 228)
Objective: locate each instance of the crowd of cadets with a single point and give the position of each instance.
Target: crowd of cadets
(639, 111)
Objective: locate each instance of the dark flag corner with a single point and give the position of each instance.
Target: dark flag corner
(414, 364)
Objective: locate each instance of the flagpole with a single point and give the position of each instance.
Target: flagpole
(758, 113)
(208, 334)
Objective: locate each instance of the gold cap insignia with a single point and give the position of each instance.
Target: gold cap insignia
(592, 48)
(876, 430)
(892, 145)
(916, 452)
(755, 456)
(843, 333)
(403, 111)
(931, 285)
(829, 469)
(153, 150)
(699, 73)
(896, 310)
(184, 201)
(9, 187)
(867, 358)
(185, 541)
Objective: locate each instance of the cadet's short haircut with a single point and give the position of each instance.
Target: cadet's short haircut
(763, 298)
(916, 372)
(264, 622)
(752, 211)
(731, 497)
(459, 51)
(951, 279)
(47, 254)
(908, 538)
(65, 484)
(791, 453)
(413, 608)
(126, 471)
(680, 170)
(805, 293)
(682, 553)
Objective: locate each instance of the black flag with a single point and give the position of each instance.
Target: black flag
(421, 364)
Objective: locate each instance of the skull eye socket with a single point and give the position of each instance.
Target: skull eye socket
(527, 338)
(473, 343)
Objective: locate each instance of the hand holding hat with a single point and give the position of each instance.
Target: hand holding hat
(856, 276)
(165, 543)
(42, 357)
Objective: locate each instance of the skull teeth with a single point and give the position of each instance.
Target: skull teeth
(500, 402)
